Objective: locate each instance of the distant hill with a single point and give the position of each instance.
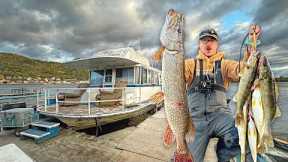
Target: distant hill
(17, 67)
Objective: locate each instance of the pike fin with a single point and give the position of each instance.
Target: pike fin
(190, 132)
(158, 54)
(277, 112)
(178, 157)
(260, 148)
(265, 143)
(239, 118)
(276, 92)
(268, 140)
(168, 136)
(276, 89)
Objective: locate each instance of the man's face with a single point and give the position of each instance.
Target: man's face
(208, 46)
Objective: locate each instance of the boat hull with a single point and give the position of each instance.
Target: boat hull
(82, 122)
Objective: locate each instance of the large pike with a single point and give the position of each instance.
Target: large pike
(179, 121)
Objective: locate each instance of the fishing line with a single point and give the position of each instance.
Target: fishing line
(240, 55)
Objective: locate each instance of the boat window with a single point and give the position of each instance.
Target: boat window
(153, 77)
(144, 76)
(126, 74)
(137, 75)
(149, 76)
(96, 77)
(156, 79)
(108, 76)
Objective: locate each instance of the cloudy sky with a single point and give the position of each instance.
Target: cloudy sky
(62, 30)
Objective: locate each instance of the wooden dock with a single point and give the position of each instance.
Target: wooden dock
(145, 143)
(142, 143)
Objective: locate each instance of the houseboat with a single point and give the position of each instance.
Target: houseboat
(121, 82)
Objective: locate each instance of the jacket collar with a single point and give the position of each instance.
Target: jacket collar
(217, 56)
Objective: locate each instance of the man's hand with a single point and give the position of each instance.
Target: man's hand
(253, 41)
(254, 32)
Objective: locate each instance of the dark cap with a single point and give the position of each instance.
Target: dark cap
(208, 33)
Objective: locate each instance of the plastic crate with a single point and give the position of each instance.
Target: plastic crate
(18, 117)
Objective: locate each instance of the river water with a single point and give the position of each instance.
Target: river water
(279, 126)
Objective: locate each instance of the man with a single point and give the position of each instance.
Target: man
(208, 77)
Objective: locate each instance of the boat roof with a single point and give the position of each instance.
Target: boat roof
(112, 58)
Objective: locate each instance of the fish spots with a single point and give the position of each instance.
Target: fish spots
(178, 105)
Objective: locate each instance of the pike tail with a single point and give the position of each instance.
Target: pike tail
(178, 157)
(168, 136)
(268, 140)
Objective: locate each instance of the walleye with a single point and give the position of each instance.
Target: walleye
(174, 87)
(257, 111)
(268, 99)
(242, 130)
(252, 135)
(245, 84)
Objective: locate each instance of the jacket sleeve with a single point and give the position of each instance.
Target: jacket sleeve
(189, 71)
(231, 70)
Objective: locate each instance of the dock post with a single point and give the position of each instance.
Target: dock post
(1, 127)
(89, 107)
(123, 97)
(37, 98)
(57, 105)
(140, 95)
(45, 106)
(98, 128)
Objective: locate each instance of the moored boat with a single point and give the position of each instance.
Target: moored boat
(121, 82)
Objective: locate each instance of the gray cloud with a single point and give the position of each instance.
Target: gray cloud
(74, 28)
(269, 10)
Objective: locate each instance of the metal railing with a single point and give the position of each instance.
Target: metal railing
(16, 95)
(50, 100)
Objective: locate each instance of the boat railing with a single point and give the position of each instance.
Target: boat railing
(21, 91)
(54, 99)
(17, 95)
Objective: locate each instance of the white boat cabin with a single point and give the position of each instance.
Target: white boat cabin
(125, 64)
(136, 76)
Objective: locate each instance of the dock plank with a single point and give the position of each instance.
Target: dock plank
(146, 142)
(126, 156)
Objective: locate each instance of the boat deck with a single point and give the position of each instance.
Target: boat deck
(82, 110)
